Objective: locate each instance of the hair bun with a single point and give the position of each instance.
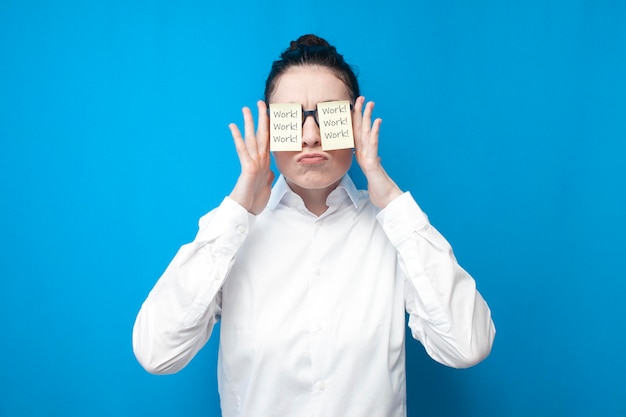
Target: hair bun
(307, 41)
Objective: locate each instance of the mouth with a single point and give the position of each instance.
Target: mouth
(312, 158)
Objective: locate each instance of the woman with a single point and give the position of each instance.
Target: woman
(311, 278)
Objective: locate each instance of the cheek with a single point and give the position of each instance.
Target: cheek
(343, 158)
(281, 159)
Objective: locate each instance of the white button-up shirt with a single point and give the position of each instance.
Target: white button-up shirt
(312, 309)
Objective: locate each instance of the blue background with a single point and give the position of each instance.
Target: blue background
(506, 120)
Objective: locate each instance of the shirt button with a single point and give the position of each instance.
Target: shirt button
(241, 228)
(322, 386)
(318, 272)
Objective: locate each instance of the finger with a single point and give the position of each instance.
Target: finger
(236, 134)
(263, 131)
(367, 115)
(357, 116)
(376, 126)
(373, 136)
(240, 146)
(366, 124)
(248, 123)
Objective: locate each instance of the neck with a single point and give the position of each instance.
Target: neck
(314, 199)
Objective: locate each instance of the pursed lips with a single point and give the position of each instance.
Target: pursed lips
(312, 158)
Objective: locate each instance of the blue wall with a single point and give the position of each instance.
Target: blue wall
(506, 121)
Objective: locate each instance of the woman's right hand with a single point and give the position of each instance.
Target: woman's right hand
(254, 185)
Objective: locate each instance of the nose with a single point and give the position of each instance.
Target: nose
(310, 132)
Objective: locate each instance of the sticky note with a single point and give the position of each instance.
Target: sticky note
(285, 127)
(335, 120)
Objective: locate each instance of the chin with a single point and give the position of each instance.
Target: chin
(314, 182)
(312, 185)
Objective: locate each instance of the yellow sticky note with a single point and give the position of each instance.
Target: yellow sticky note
(335, 125)
(285, 127)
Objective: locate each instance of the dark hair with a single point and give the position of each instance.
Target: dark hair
(312, 50)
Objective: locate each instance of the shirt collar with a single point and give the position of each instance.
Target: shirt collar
(346, 185)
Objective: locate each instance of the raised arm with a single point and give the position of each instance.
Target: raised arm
(446, 312)
(179, 314)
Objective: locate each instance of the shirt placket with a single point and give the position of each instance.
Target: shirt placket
(318, 320)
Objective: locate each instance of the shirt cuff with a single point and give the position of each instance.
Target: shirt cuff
(401, 218)
(229, 223)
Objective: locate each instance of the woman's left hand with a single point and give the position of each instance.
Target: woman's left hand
(382, 189)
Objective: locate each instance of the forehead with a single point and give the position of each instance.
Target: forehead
(309, 85)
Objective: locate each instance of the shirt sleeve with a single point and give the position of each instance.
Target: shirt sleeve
(179, 314)
(446, 312)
